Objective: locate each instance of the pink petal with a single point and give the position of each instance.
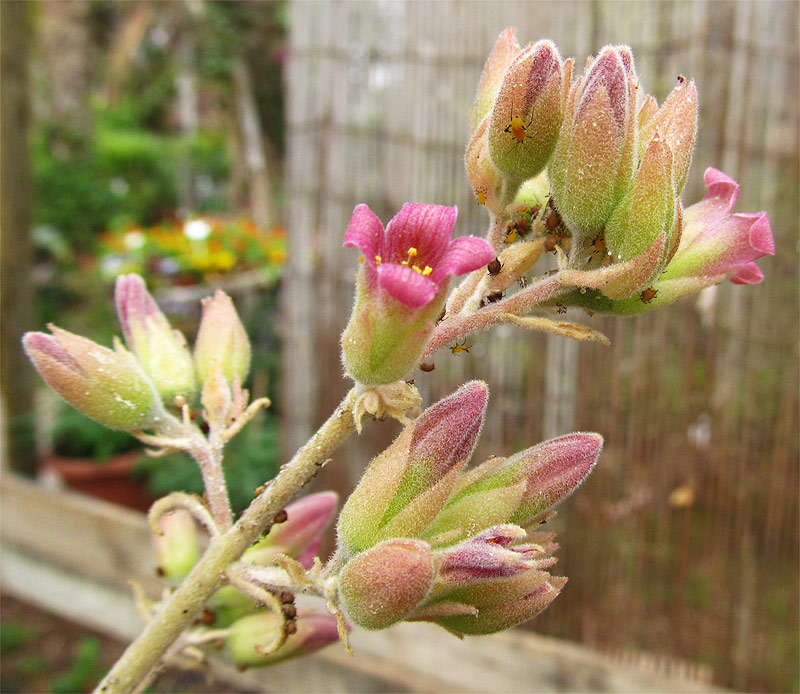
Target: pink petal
(748, 274)
(465, 254)
(365, 231)
(407, 286)
(761, 239)
(425, 227)
(720, 185)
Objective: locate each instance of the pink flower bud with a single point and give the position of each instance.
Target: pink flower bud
(521, 488)
(505, 50)
(299, 535)
(221, 339)
(107, 385)
(405, 487)
(402, 286)
(248, 634)
(384, 584)
(594, 159)
(527, 113)
(178, 546)
(161, 351)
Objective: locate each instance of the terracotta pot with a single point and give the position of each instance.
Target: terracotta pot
(110, 480)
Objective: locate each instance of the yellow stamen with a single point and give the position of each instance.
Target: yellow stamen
(427, 271)
(404, 263)
(361, 259)
(412, 252)
(416, 269)
(378, 259)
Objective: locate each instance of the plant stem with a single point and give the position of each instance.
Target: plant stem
(208, 455)
(181, 608)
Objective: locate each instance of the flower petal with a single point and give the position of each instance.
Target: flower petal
(748, 274)
(465, 254)
(365, 231)
(425, 227)
(720, 185)
(407, 286)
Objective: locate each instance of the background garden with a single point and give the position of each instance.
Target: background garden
(207, 144)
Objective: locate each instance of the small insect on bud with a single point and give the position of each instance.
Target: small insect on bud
(289, 611)
(459, 348)
(281, 516)
(494, 267)
(290, 628)
(494, 296)
(208, 617)
(427, 367)
(286, 597)
(260, 490)
(648, 295)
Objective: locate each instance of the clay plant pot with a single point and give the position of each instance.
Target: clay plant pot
(110, 480)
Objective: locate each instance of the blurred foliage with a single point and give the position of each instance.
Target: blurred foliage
(85, 671)
(199, 250)
(76, 436)
(15, 635)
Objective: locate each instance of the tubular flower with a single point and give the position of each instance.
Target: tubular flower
(715, 244)
(402, 286)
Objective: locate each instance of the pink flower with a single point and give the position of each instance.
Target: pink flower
(413, 258)
(715, 242)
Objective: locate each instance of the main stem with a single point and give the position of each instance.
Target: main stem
(181, 608)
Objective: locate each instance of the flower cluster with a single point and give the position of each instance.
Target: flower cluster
(420, 538)
(604, 167)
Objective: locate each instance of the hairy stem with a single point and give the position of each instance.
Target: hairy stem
(208, 455)
(181, 608)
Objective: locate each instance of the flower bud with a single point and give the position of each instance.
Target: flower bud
(221, 338)
(527, 113)
(490, 582)
(258, 631)
(384, 584)
(519, 489)
(299, 535)
(594, 159)
(177, 547)
(505, 50)
(161, 351)
(404, 488)
(649, 211)
(484, 176)
(676, 123)
(402, 286)
(107, 385)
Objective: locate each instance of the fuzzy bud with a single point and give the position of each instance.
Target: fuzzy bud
(404, 487)
(505, 50)
(527, 114)
(177, 547)
(299, 536)
(384, 584)
(161, 351)
(250, 635)
(594, 159)
(107, 385)
(221, 339)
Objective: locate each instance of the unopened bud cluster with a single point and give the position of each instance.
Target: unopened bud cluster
(614, 165)
(129, 387)
(421, 538)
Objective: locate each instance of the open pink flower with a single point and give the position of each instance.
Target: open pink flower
(715, 242)
(413, 258)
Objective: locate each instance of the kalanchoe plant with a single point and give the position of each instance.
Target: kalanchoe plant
(589, 169)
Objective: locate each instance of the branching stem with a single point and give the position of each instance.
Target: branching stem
(178, 612)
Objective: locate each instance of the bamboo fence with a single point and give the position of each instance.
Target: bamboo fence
(683, 546)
